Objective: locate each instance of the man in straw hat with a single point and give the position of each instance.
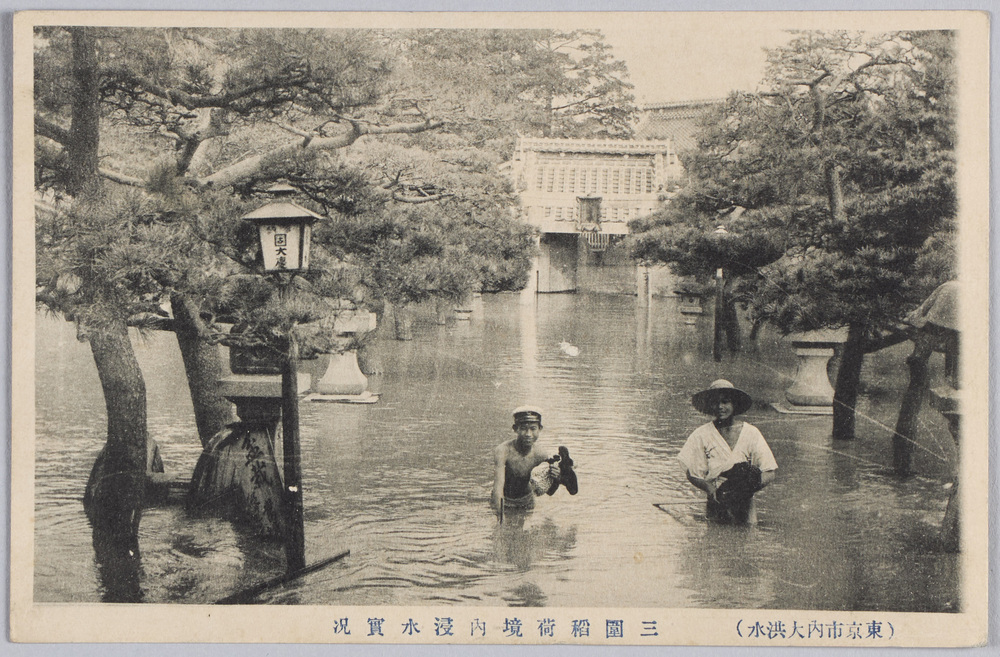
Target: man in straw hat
(727, 458)
(514, 487)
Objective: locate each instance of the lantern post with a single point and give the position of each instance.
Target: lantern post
(284, 232)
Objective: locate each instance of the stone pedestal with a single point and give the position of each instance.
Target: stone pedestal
(812, 385)
(811, 392)
(343, 382)
(443, 312)
(343, 376)
(463, 309)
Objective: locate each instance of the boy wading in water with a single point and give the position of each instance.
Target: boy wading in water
(513, 485)
(727, 458)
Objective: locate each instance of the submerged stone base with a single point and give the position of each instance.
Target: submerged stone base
(367, 397)
(789, 409)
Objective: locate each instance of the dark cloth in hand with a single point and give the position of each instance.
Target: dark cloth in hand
(567, 477)
(741, 482)
(566, 474)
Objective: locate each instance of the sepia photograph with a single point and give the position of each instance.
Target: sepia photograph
(622, 328)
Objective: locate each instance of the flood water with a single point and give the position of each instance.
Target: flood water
(404, 483)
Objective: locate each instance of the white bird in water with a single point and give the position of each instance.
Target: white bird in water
(568, 349)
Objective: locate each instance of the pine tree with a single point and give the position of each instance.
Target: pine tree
(846, 163)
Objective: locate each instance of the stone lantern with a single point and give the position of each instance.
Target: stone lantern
(242, 461)
(935, 327)
(690, 294)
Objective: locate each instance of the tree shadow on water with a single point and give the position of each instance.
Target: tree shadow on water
(119, 567)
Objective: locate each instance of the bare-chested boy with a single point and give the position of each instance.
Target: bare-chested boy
(515, 459)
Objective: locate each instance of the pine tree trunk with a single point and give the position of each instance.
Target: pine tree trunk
(84, 131)
(719, 327)
(834, 191)
(114, 496)
(549, 115)
(115, 491)
(203, 366)
(845, 395)
(731, 323)
(402, 317)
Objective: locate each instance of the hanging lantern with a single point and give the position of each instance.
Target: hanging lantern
(285, 230)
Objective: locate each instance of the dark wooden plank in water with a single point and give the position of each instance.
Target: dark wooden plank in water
(248, 594)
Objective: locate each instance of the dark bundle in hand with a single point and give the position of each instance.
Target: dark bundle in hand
(741, 482)
(567, 477)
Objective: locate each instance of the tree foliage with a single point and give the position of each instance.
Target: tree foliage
(843, 167)
(150, 144)
(541, 82)
(239, 109)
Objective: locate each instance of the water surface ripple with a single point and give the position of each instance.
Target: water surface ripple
(404, 483)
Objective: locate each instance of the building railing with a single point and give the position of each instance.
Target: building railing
(542, 145)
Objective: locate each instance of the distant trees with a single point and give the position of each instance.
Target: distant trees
(844, 167)
(540, 82)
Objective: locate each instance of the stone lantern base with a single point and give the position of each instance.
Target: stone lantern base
(792, 409)
(239, 469)
(343, 382)
(811, 392)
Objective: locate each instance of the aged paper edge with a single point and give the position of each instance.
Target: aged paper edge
(32, 622)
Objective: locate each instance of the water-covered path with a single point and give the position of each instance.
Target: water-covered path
(404, 483)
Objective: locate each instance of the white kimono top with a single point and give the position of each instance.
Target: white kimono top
(706, 454)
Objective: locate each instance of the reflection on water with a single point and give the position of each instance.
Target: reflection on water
(404, 483)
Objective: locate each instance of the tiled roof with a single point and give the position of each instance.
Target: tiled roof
(662, 126)
(677, 122)
(681, 105)
(281, 210)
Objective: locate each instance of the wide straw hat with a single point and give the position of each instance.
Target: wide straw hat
(705, 400)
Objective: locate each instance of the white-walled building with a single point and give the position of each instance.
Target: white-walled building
(582, 193)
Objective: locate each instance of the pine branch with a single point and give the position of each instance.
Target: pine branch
(124, 77)
(51, 131)
(244, 169)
